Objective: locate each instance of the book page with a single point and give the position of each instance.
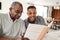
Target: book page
(33, 31)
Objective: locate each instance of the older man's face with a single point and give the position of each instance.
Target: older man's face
(31, 14)
(16, 12)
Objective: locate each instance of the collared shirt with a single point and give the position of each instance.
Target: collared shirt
(39, 20)
(11, 29)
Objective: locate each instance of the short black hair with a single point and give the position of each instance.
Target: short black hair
(31, 7)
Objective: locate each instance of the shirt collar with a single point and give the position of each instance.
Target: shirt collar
(9, 17)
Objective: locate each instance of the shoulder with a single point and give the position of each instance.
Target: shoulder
(25, 20)
(21, 21)
(39, 17)
(3, 15)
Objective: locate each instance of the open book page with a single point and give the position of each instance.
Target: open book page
(34, 30)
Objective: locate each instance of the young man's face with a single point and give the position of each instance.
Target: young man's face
(31, 14)
(16, 12)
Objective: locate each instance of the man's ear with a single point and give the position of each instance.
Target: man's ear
(10, 8)
(27, 13)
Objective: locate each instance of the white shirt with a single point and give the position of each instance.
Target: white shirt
(11, 29)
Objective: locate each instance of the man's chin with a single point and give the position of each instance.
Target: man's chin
(17, 17)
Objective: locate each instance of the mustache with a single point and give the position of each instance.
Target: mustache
(33, 16)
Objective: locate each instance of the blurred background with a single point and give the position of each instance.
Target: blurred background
(48, 9)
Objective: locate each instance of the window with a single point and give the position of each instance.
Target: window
(42, 11)
(0, 5)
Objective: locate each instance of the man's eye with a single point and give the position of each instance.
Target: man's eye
(17, 11)
(30, 13)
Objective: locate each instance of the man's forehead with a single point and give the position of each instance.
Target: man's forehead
(32, 9)
(17, 7)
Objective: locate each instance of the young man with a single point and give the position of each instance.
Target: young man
(32, 18)
(11, 26)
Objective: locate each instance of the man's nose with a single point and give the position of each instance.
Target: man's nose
(32, 14)
(18, 14)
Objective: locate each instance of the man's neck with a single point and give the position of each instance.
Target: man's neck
(12, 18)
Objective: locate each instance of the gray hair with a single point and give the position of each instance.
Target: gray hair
(14, 3)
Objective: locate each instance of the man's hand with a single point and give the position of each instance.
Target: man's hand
(17, 39)
(5, 38)
(25, 39)
(21, 39)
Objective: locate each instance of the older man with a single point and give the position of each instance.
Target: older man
(11, 26)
